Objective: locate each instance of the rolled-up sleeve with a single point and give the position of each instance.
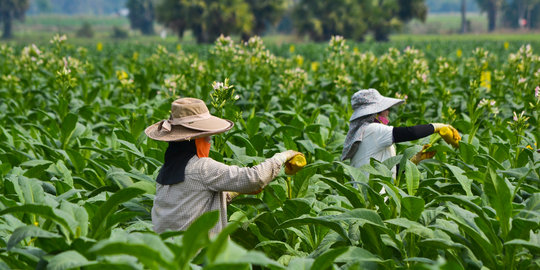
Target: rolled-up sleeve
(217, 176)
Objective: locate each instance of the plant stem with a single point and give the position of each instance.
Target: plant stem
(289, 188)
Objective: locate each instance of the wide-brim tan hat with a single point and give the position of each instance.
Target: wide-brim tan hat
(190, 119)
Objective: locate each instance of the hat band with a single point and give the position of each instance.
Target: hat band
(166, 124)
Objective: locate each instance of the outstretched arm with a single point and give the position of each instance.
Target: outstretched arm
(404, 134)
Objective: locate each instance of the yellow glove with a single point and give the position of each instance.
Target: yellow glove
(294, 164)
(423, 154)
(448, 133)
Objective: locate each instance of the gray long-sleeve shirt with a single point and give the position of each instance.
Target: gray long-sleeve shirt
(203, 189)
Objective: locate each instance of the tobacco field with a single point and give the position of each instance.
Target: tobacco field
(77, 172)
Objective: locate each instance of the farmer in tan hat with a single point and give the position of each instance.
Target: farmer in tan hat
(190, 183)
(370, 136)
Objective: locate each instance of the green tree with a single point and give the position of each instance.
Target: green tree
(322, 19)
(11, 10)
(388, 15)
(226, 17)
(265, 13)
(529, 10)
(491, 7)
(354, 18)
(141, 15)
(463, 16)
(179, 15)
(206, 18)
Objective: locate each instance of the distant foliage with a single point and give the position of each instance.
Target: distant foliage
(265, 14)
(141, 15)
(119, 33)
(492, 7)
(85, 31)
(529, 10)
(208, 19)
(353, 19)
(322, 19)
(11, 10)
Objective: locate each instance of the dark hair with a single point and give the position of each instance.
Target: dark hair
(177, 156)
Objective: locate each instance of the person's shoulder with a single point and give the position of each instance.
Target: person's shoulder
(205, 161)
(378, 127)
(203, 166)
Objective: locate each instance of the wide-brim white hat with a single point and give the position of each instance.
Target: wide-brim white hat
(370, 101)
(190, 119)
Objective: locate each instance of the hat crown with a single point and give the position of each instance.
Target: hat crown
(185, 107)
(365, 97)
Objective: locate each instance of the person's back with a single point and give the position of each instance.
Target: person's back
(204, 189)
(377, 143)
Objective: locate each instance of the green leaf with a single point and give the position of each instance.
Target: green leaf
(357, 174)
(68, 127)
(131, 148)
(220, 243)
(532, 208)
(146, 247)
(357, 254)
(462, 179)
(353, 195)
(467, 152)
(500, 198)
(196, 236)
(76, 159)
(40, 210)
(29, 190)
(235, 254)
(483, 247)
(300, 264)
(326, 260)
(24, 232)
(80, 216)
(412, 176)
(36, 162)
(325, 221)
(532, 245)
(107, 208)
(411, 227)
(68, 260)
(282, 247)
(412, 207)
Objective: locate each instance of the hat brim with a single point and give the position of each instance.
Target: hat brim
(208, 125)
(183, 133)
(385, 104)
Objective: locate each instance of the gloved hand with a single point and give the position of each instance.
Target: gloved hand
(423, 154)
(286, 155)
(448, 133)
(294, 161)
(230, 195)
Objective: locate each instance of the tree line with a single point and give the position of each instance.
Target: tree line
(207, 19)
(353, 19)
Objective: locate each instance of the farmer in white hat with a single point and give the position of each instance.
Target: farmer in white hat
(190, 183)
(370, 136)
